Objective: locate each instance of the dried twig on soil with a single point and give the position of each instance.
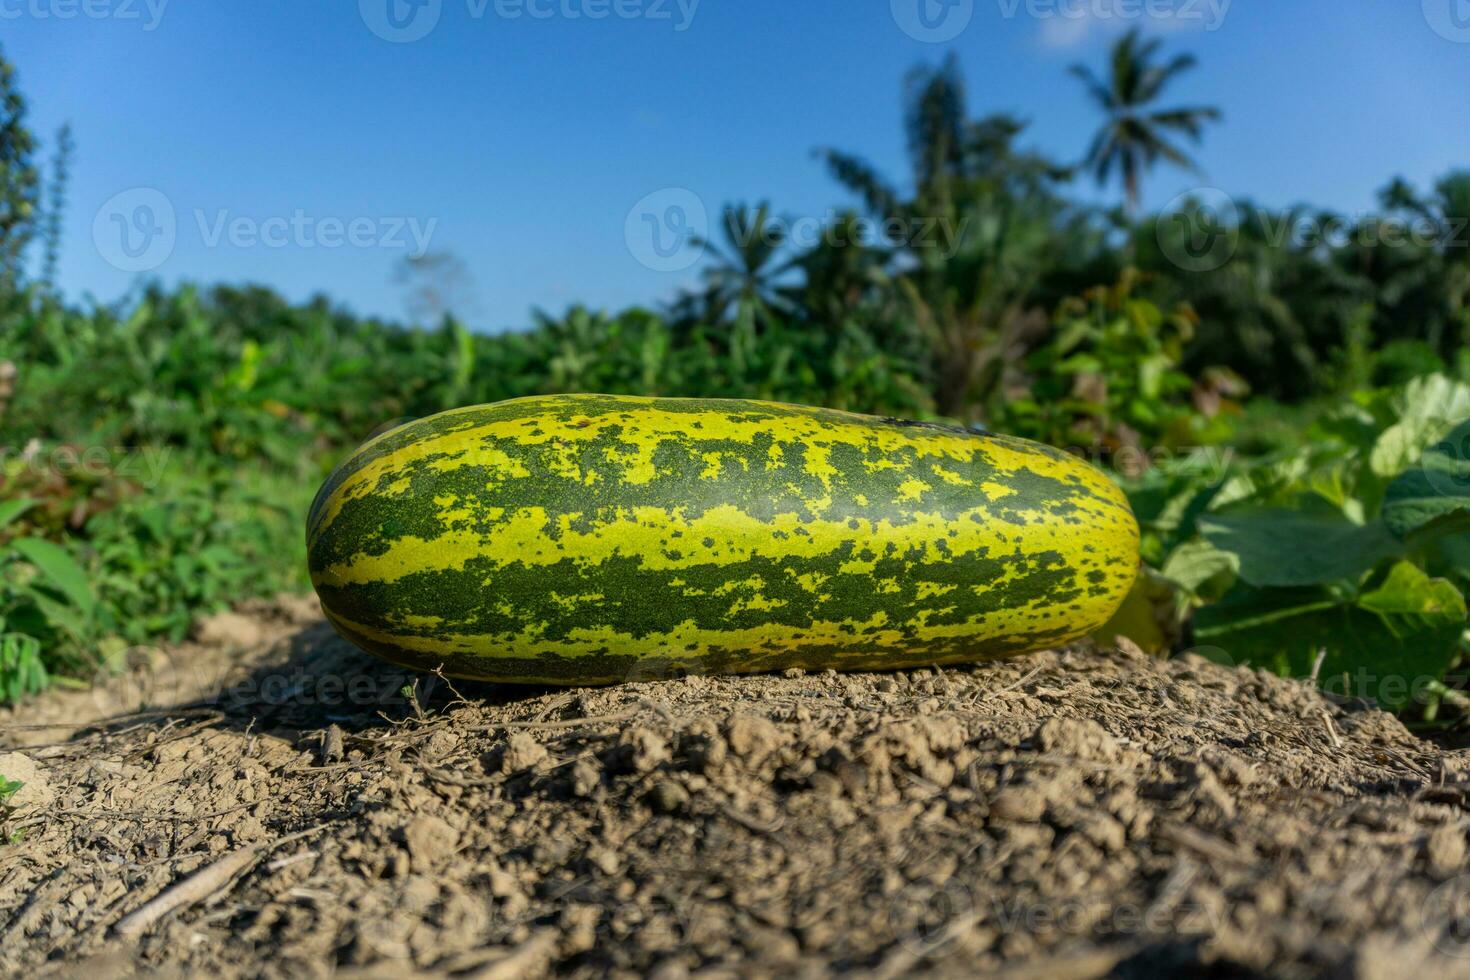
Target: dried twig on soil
(528, 958)
(751, 823)
(1203, 844)
(904, 959)
(1019, 683)
(173, 736)
(458, 698)
(618, 718)
(455, 779)
(82, 726)
(200, 885)
(1322, 709)
(82, 738)
(1317, 665)
(142, 815)
(331, 744)
(552, 705)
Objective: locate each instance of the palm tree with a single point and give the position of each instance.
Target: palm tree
(742, 296)
(1135, 135)
(977, 228)
(745, 270)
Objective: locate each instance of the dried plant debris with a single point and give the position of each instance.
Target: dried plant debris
(296, 809)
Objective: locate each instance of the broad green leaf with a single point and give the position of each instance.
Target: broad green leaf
(1248, 609)
(1434, 491)
(1337, 482)
(1386, 646)
(1279, 547)
(1429, 408)
(1194, 564)
(59, 568)
(11, 509)
(1172, 504)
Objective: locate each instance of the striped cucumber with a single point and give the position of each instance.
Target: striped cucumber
(589, 539)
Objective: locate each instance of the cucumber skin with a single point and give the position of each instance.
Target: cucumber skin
(592, 539)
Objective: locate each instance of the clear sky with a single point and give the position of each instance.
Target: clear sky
(305, 143)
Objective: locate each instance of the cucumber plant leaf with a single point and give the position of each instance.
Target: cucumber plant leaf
(1382, 644)
(1196, 565)
(1428, 407)
(1287, 548)
(1435, 495)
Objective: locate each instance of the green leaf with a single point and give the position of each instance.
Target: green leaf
(61, 615)
(1151, 375)
(11, 509)
(1454, 554)
(1280, 547)
(1195, 564)
(1246, 608)
(1409, 592)
(1079, 364)
(21, 669)
(1429, 408)
(60, 569)
(1437, 491)
(1386, 645)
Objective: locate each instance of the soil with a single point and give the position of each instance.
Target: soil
(266, 801)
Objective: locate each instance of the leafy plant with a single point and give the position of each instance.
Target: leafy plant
(22, 670)
(1109, 377)
(8, 789)
(1347, 560)
(45, 598)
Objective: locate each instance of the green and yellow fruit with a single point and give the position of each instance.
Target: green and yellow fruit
(589, 539)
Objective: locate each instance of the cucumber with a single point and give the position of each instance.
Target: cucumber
(591, 539)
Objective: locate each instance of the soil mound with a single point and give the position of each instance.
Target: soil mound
(267, 801)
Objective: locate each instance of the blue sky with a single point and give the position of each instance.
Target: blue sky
(305, 145)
